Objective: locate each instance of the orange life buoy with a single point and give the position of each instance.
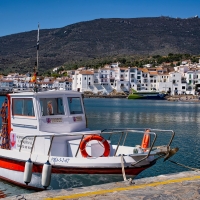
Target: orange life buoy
(146, 139)
(94, 137)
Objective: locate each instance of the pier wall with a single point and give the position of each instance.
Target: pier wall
(183, 185)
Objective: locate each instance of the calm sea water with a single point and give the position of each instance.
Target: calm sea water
(182, 117)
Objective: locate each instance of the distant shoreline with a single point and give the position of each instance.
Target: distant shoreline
(184, 98)
(105, 96)
(180, 98)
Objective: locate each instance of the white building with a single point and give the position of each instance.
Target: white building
(83, 81)
(122, 79)
(6, 85)
(133, 78)
(68, 85)
(173, 84)
(192, 77)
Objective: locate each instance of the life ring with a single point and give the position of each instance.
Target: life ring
(98, 138)
(146, 139)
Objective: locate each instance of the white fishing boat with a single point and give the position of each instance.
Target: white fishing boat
(45, 133)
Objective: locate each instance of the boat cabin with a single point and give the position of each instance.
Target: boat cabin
(46, 113)
(53, 111)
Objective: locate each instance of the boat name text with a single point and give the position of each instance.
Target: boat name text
(63, 160)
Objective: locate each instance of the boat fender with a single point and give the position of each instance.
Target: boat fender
(98, 138)
(46, 174)
(146, 139)
(28, 171)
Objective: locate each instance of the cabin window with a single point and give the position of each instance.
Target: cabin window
(75, 105)
(22, 107)
(51, 106)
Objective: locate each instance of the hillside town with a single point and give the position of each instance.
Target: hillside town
(182, 79)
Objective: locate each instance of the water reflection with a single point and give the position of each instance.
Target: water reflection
(182, 117)
(156, 115)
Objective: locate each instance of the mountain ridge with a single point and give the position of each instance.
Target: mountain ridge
(99, 38)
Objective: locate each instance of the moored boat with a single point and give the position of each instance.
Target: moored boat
(47, 131)
(147, 95)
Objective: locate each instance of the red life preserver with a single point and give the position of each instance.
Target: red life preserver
(94, 137)
(146, 139)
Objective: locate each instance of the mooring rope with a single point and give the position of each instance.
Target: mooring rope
(194, 169)
(5, 141)
(122, 164)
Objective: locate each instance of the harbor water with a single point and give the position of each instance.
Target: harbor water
(182, 117)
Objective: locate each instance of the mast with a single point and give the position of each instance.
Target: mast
(35, 69)
(37, 47)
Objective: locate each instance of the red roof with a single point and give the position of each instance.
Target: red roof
(86, 72)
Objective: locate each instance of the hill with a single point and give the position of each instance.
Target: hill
(97, 39)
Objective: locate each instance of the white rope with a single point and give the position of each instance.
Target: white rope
(123, 171)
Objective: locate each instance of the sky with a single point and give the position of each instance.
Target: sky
(18, 16)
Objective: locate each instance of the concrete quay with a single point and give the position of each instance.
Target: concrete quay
(185, 98)
(179, 186)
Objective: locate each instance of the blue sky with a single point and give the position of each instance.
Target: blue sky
(23, 15)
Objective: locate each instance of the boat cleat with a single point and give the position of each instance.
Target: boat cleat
(162, 150)
(166, 152)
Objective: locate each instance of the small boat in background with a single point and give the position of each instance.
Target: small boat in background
(147, 95)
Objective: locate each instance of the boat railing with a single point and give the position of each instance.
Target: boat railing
(124, 133)
(140, 130)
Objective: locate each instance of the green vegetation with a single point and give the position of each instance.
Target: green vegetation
(125, 61)
(133, 61)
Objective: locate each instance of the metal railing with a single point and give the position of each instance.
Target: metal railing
(124, 133)
(140, 130)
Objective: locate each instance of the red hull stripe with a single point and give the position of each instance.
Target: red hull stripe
(21, 184)
(16, 165)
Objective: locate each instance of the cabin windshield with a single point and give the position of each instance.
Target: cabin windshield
(51, 106)
(23, 107)
(75, 106)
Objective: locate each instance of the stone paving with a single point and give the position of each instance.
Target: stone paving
(180, 186)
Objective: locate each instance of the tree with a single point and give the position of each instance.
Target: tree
(65, 74)
(122, 60)
(56, 75)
